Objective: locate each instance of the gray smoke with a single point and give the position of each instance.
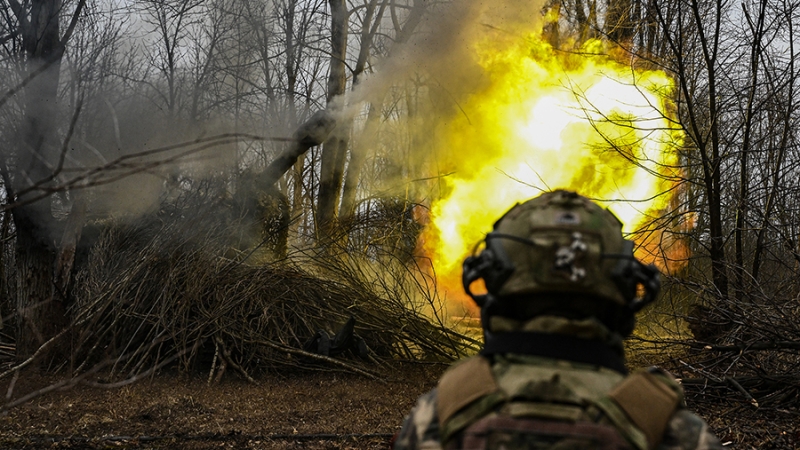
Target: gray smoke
(443, 48)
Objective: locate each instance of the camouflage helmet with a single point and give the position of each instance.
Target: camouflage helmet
(561, 243)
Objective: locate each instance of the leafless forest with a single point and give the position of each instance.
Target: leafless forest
(204, 185)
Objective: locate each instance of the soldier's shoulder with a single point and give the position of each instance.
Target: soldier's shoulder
(688, 431)
(421, 427)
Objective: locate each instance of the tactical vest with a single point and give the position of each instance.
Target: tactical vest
(555, 405)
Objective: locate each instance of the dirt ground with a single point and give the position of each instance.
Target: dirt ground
(300, 410)
(324, 410)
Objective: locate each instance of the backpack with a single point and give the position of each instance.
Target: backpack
(510, 406)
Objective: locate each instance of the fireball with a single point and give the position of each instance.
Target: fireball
(550, 119)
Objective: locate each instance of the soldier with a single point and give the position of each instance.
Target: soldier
(563, 288)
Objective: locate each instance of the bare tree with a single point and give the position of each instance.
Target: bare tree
(37, 159)
(171, 22)
(335, 149)
(338, 190)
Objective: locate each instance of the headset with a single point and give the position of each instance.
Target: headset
(494, 266)
(630, 273)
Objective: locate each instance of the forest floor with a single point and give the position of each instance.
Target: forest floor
(322, 410)
(309, 410)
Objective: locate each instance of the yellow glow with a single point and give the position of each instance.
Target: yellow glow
(545, 121)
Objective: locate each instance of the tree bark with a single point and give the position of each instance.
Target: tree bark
(40, 314)
(358, 153)
(335, 148)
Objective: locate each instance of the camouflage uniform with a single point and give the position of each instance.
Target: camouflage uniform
(421, 428)
(563, 289)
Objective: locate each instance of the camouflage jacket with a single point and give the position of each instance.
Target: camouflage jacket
(421, 429)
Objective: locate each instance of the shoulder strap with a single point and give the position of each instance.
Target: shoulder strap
(640, 406)
(462, 384)
(647, 400)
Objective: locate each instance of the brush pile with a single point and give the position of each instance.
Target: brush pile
(171, 289)
(739, 362)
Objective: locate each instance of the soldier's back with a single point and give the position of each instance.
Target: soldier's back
(527, 402)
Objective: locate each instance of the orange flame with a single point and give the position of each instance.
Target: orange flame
(547, 120)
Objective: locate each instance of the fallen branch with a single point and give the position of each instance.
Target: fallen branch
(761, 345)
(744, 391)
(749, 381)
(328, 359)
(10, 391)
(63, 384)
(138, 377)
(33, 357)
(226, 354)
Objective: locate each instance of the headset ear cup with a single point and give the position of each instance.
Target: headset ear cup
(472, 270)
(648, 277)
(469, 271)
(623, 273)
(492, 265)
(499, 267)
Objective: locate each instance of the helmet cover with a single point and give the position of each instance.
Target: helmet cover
(559, 242)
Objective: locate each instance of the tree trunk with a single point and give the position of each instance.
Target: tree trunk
(369, 28)
(291, 88)
(73, 228)
(357, 158)
(742, 209)
(6, 304)
(335, 148)
(40, 315)
(550, 29)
